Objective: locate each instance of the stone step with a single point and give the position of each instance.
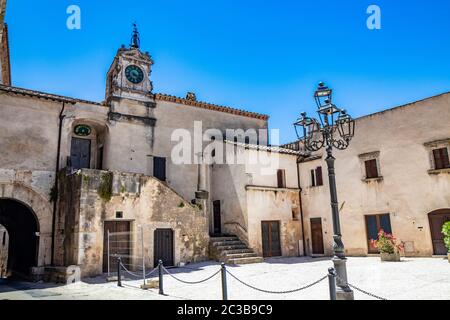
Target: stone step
(221, 239)
(246, 260)
(228, 252)
(228, 243)
(231, 247)
(230, 257)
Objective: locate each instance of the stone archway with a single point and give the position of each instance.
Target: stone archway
(23, 230)
(437, 219)
(40, 208)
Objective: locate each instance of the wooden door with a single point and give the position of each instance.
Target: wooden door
(80, 153)
(163, 247)
(374, 223)
(159, 168)
(437, 220)
(317, 236)
(217, 217)
(119, 244)
(271, 238)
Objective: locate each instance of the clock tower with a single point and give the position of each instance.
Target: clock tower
(128, 76)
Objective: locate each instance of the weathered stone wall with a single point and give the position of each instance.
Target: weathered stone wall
(249, 195)
(145, 202)
(407, 191)
(274, 205)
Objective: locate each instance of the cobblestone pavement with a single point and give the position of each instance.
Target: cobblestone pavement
(411, 279)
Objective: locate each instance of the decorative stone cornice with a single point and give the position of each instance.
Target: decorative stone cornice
(209, 106)
(437, 143)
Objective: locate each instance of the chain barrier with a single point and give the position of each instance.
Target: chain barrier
(191, 282)
(367, 293)
(278, 292)
(362, 291)
(138, 275)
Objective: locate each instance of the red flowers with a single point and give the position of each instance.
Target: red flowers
(387, 243)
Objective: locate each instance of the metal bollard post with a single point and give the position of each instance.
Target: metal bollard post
(160, 269)
(332, 283)
(119, 273)
(224, 282)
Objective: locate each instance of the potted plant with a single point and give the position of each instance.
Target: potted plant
(389, 248)
(446, 233)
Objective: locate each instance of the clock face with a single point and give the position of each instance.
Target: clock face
(134, 74)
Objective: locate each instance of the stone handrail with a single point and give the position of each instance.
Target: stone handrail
(241, 232)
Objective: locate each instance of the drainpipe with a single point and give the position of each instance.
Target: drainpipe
(301, 206)
(58, 154)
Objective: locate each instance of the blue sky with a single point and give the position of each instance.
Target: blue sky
(263, 56)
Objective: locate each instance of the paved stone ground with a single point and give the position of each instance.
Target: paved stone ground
(412, 279)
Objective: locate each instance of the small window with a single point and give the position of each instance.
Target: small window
(119, 215)
(371, 169)
(441, 160)
(281, 177)
(159, 168)
(316, 177)
(295, 215)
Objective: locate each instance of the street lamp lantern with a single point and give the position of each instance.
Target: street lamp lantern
(346, 126)
(334, 130)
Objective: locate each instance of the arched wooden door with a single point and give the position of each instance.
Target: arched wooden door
(437, 220)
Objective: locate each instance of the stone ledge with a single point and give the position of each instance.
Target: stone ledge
(263, 188)
(379, 179)
(438, 171)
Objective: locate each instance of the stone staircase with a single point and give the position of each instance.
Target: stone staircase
(231, 250)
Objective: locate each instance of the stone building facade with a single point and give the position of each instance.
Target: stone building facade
(394, 176)
(71, 170)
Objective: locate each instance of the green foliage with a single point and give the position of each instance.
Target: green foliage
(122, 189)
(105, 188)
(181, 205)
(446, 233)
(86, 179)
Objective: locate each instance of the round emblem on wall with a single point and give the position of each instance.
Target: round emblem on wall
(82, 130)
(134, 74)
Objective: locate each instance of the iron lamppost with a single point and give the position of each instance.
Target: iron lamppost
(334, 129)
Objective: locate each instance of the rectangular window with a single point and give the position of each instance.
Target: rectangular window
(374, 223)
(441, 160)
(281, 177)
(159, 168)
(371, 169)
(316, 177)
(319, 179)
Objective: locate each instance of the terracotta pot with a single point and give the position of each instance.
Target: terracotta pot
(390, 257)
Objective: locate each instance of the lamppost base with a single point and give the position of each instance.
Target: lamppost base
(344, 295)
(343, 291)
